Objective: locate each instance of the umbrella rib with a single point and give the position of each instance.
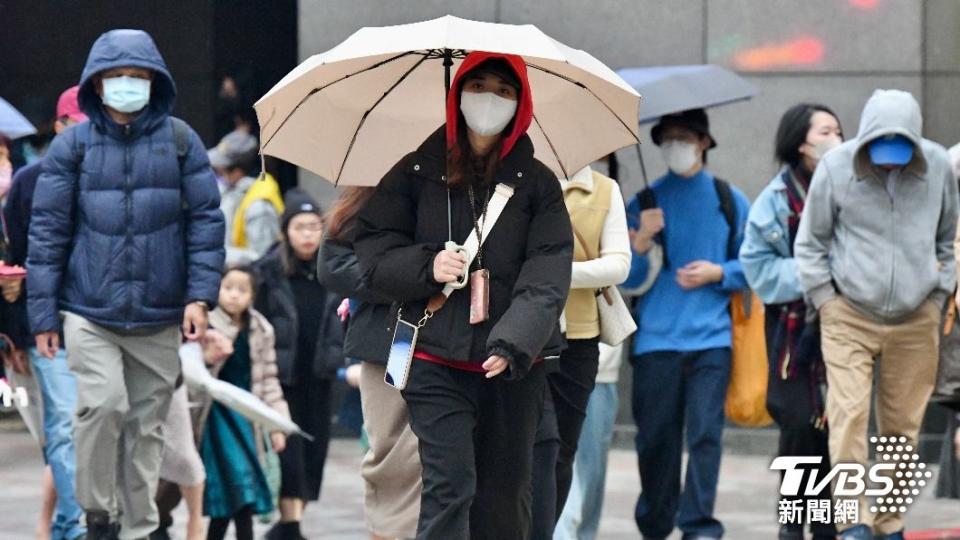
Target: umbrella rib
(596, 97)
(331, 83)
(363, 119)
(552, 148)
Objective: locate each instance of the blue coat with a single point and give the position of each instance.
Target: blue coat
(124, 232)
(765, 253)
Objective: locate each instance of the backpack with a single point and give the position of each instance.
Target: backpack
(749, 370)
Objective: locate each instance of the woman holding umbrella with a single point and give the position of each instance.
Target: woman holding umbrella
(475, 388)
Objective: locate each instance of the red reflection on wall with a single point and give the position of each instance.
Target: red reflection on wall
(797, 52)
(864, 4)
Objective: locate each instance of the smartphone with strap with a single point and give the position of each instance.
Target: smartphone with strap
(400, 359)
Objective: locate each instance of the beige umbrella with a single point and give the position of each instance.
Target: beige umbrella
(352, 112)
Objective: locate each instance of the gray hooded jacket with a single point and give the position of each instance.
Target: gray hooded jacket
(885, 251)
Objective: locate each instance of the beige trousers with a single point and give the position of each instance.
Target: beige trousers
(906, 357)
(391, 468)
(125, 383)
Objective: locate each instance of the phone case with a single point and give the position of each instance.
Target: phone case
(401, 354)
(479, 296)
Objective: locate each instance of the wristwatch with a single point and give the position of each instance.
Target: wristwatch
(203, 303)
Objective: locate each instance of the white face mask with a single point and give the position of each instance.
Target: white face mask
(126, 94)
(486, 113)
(821, 148)
(679, 156)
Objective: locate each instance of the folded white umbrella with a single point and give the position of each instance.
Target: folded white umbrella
(32, 411)
(351, 113)
(197, 377)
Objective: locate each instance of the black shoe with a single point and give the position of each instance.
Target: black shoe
(99, 527)
(160, 534)
(289, 530)
(790, 532)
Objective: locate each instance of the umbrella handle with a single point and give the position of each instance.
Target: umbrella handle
(643, 167)
(447, 64)
(660, 237)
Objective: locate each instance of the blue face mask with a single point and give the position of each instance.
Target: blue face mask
(126, 94)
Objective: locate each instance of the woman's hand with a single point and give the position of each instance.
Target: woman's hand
(651, 223)
(17, 361)
(495, 365)
(698, 274)
(11, 289)
(279, 441)
(448, 266)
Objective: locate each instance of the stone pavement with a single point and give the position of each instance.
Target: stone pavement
(746, 502)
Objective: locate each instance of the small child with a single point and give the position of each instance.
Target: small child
(236, 486)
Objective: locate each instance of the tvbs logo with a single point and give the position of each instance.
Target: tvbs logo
(894, 481)
(7, 395)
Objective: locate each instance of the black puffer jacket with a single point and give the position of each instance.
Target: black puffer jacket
(369, 331)
(529, 255)
(275, 300)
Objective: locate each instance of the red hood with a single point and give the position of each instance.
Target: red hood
(524, 115)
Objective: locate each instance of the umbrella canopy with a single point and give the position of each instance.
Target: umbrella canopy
(671, 89)
(351, 113)
(251, 407)
(13, 125)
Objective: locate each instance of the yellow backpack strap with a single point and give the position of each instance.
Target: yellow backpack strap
(264, 188)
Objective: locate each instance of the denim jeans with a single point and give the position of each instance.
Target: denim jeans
(672, 391)
(580, 518)
(59, 389)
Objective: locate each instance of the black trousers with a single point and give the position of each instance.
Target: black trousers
(242, 525)
(790, 403)
(302, 461)
(569, 389)
(476, 448)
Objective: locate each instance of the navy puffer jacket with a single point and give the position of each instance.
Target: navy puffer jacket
(124, 232)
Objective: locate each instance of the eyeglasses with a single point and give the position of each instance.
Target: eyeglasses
(315, 228)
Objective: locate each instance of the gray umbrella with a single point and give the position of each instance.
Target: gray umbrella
(13, 125)
(671, 89)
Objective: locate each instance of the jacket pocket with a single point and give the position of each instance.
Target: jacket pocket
(165, 255)
(93, 270)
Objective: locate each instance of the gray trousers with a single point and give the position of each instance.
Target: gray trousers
(125, 383)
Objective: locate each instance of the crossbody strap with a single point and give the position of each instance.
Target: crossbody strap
(498, 201)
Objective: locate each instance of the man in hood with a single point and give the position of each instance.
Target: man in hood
(126, 241)
(875, 257)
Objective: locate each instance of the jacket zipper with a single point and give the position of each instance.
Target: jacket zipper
(128, 208)
(893, 258)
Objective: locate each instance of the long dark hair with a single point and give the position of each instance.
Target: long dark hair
(341, 217)
(288, 259)
(793, 129)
